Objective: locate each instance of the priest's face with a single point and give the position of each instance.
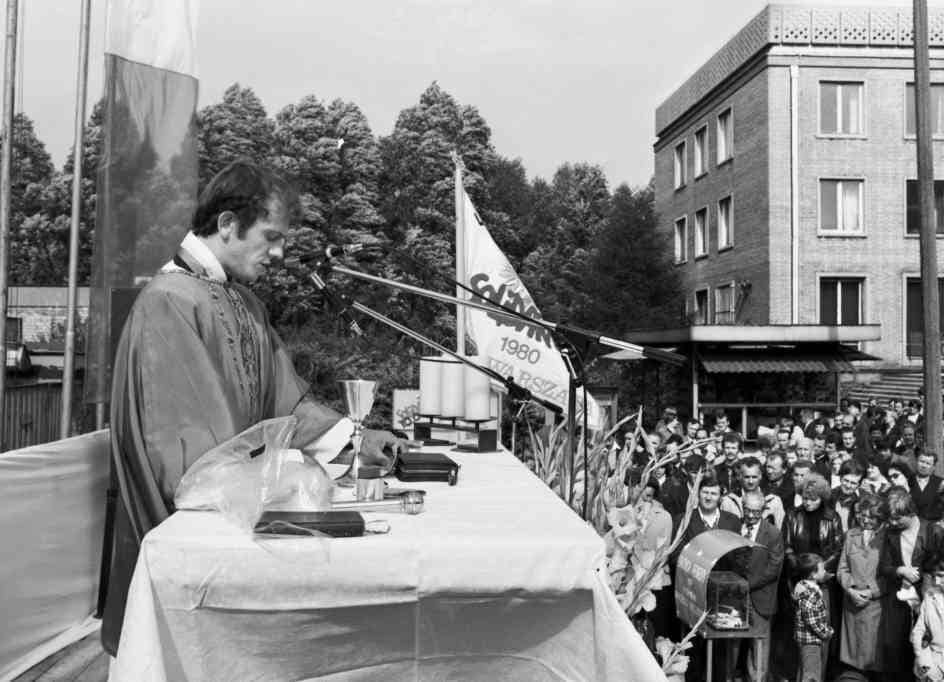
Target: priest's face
(247, 257)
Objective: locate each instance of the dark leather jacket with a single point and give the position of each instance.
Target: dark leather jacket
(827, 543)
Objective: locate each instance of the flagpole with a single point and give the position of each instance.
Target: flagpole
(6, 159)
(460, 253)
(68, 371)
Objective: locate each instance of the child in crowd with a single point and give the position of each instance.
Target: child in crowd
(811, 621)
(927, 637)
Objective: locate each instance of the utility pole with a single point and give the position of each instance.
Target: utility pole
(6, 160)
(929, 281)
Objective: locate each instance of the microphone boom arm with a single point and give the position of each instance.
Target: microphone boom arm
(643, 351)
(515, 390)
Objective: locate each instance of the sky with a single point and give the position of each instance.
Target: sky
(557, 82)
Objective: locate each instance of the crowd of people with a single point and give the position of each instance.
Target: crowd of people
(844, 510)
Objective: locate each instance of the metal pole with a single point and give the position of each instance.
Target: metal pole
(460, 254)
(81, 80)
(929, 282)
(6, 158)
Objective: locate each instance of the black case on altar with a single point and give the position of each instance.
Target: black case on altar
(426, 466)
(337, 524)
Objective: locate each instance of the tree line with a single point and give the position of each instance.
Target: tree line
(589, 255)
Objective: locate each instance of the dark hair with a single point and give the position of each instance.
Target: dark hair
(694, 463)
(709, 480)
(779, 455)
(244, 188)
(927, 453)
(872, 504)
(806, 565)
(833, 437)
(674, 438)
(850, 467)
(902, 465)
(846, 429)
(750, 461)
(854, 402)
(802, 464)
(731, 437)
(936, 563)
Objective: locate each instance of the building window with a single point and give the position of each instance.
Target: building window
(680, 169)
(914, 315)
(840, 300)
(725, 224)
(913, 214)
(701, 151)
(937, 110)
(840, 108)
(840, 206)
(681, 240)
(724, 304)
(700, 315)
(725, 136)
(701, 232)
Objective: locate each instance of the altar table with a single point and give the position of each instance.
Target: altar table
(496, 580)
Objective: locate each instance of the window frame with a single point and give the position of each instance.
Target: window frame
(859, 277)
(684, 241)
(904, 114)
(707, 318)
(703, 253)
(680, 170)
(820, 231)
(904, 220)
(719, 160)
(730, 226)
(863, 134)
(903, 319)
(702, 154)
(733, 311)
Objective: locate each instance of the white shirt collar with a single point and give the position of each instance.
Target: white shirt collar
(201, 253)
(712, 520)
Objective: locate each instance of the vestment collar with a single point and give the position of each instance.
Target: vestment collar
(194, 255)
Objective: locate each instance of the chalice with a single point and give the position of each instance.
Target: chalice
(358, 397)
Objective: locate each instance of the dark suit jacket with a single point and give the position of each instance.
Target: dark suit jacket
(763, 569)
(927, 500)
(727, 521)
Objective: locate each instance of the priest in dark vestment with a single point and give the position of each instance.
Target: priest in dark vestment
(198, 363)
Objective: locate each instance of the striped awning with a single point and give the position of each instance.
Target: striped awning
(772, 360)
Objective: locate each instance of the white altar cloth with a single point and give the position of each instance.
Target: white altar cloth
(496, 579)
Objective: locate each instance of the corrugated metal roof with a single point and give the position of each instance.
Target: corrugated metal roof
(770, 361)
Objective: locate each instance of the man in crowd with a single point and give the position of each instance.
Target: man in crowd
(198, 362)
(927, 487)
(778, 482)
(762, 572)
(750, 479)
(728, 469)
(801, 470)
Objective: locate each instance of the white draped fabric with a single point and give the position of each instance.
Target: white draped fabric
(497, 579)
(52, 526)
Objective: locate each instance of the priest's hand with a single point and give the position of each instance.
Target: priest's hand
(374, 443)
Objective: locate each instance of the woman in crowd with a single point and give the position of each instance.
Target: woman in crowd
(875, 481)
(900, 473)
(907, 547)
(815, 528)
(862, 587)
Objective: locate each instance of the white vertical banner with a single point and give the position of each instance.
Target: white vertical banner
(512, 347)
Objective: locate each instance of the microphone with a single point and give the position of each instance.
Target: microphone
(335, 250)
(339, 303)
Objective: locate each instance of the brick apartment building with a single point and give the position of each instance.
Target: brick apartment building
(784, 169)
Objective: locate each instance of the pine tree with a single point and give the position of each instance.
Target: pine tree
(234, 128)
